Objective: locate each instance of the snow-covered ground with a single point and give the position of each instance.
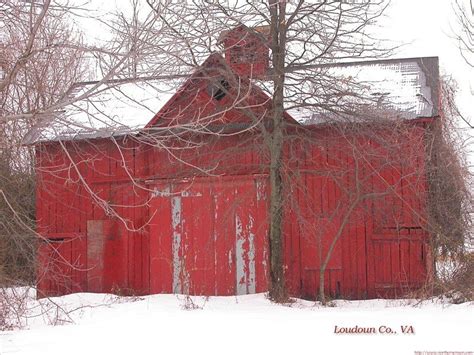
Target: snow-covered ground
(161, 324)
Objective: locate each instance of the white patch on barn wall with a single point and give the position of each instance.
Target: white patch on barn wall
(215, 242)
(187, 193)
(240, 284)
(177, 262)
(245, 260)
(261, 187)
(161, 193)
(183, 275)
(167, 193)
(251, 256)
(264, 261)
(261, 190)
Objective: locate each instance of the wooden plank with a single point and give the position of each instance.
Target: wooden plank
(361, 261)
(417, 270)
(95, 255)
(142, 218)
(198, 241)
(347, 261)
(245, 237)
(224, 232)
(405, 262)
(354, 247)
(370, 265)
(261, 238)
(43, 280)
(65, 266)
(78, 263)
(161, 240)
(116, 253)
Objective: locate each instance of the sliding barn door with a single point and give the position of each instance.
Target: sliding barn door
(207, 236)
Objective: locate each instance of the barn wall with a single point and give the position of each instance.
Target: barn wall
(372, 188)
(167, 231)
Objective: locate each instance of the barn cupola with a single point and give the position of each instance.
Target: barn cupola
(246, 50)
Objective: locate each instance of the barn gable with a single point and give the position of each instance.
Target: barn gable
(215, 96)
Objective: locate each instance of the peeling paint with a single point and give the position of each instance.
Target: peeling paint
(240, 284)
(176, 221)
(161, 193)
(251, 257)
(245, 259)
(261, 190)
(187, 193)
(167, 193)
(241, 257)
(264, 261)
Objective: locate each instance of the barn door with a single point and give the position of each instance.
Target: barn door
(204, 236)
(397, 253)
(106, 256)
(396, 261)
(182, 244)
(397, 249)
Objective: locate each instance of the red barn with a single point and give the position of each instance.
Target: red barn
(180, 204)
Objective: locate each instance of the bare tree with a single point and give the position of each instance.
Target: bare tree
(38, 64)
(42, 57)
(301, 37)
(168, 39)
(464, 35)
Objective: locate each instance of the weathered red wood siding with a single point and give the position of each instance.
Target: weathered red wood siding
(383, 250)
(172, 228)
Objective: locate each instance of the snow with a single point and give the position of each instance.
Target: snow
(116, 108)
(106, 110)
(404, 88)
(401, 85)
(161, 324)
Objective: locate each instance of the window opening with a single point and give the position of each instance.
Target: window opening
(218, 90)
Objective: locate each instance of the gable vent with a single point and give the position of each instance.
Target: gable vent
(218, 90)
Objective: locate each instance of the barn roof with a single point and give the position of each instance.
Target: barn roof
(408, 87)
(263, 30)
(115, 108)
(126, 107)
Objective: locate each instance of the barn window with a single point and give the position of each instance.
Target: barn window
(218, 90)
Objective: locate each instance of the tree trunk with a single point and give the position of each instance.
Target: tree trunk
(322, 270)
(278, 291)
